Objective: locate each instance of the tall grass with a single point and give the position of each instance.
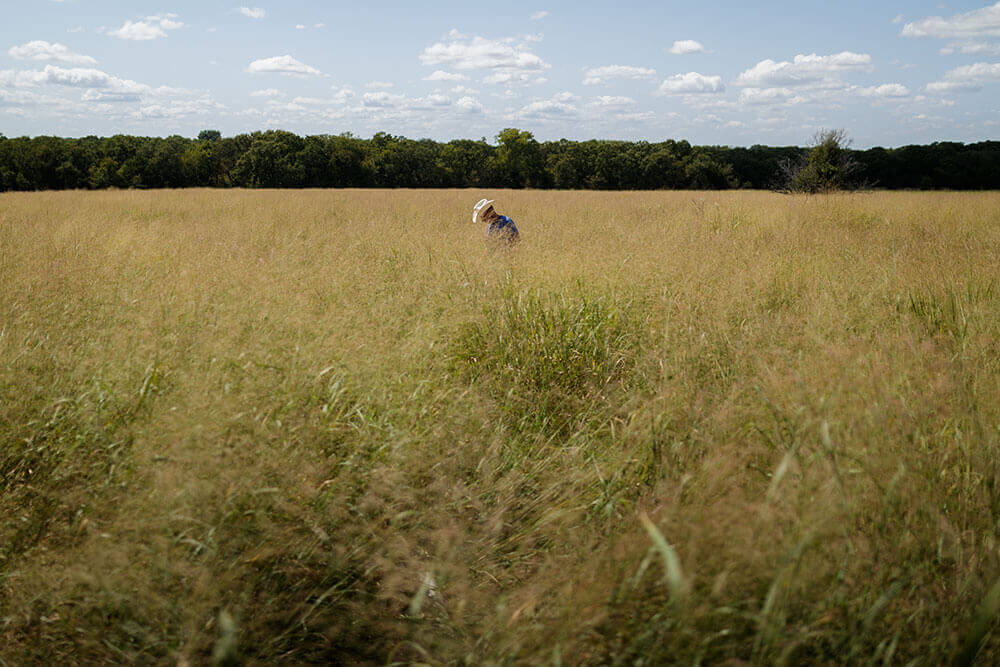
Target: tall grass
(333, 426)
(549, 363)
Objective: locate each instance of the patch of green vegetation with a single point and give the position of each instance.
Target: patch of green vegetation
(55, 460)
(951, 312)
(550, 361)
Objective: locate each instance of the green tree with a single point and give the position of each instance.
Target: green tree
(164, 168)
(566, 163)
(283, 159)
(467, 163)
(346, 166)
(271, 161)
(662, 169)
(398, 162)
(197, 164)
(615, 165)
(828, 166)
(103, 174)
(519, 159)
(704, 172)
(314, 159)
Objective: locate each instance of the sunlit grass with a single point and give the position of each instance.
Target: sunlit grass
(335, 426)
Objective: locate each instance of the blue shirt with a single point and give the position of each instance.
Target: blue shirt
(504, 229)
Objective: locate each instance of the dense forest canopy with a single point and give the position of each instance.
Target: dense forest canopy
(278, 159)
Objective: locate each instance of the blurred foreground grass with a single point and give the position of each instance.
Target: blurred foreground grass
(332, 426)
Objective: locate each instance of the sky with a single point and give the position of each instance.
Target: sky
(889, 73)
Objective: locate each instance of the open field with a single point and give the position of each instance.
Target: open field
(331, 426)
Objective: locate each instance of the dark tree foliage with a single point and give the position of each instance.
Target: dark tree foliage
(828, 166)
(519, 161)
(277, 159)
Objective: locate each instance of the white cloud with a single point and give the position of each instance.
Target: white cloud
(538, 16)
(803, 70)
(463, 90)
(75, 29)
(93, 95)
(282, 65)
(769, 96)
(547, 109)
(101, 92)
(514, 77)
(686, 46)
(691, 83)
(898, 19)
(968, 78)
(953, 87)
(469, 104)
(319, 25)
(299, 26)
(559, 106)
(79, 77)
(510, 62)
(12, 99)
(86, 94)
(149, 28)
(600, 75)
(644, 116)
(612, 101)
(377, 107)
(382, 100)
(971, 47)
(139, 31)
(42, 50)
(178, 109)
(379, 84)
(343, 95)
(940, 101)
(167, 21)
(886, 90)
(983, 22)
(441, 75)
(267, 92)
(432, 101)
(253, 12)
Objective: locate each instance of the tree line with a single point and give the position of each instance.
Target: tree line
(279, 159)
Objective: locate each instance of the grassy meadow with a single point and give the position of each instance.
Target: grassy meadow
(670, 427)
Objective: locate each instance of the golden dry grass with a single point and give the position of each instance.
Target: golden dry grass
(333, 426)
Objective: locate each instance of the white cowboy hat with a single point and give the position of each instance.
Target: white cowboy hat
(480, 207)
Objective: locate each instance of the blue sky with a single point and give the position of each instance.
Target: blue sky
(736, 73)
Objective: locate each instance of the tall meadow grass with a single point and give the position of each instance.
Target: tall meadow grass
(336, 426)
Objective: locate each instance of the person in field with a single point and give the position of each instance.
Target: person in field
(498, 227)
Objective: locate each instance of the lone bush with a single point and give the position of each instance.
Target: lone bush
(827, 167)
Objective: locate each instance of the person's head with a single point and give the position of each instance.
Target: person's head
(483, 211)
